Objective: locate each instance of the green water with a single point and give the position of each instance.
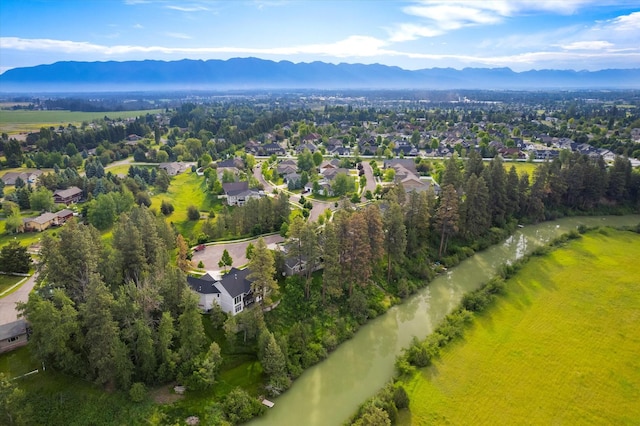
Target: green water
(331, 391)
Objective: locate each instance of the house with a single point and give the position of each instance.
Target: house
(173, 168)
(13, 335)
(271, 149)
(238, 193)
(414, 183)
(232, 292)
(63, 216)
(310, 146)
(40, 223)
(236, 162)
(28, 176)
(330, 174)
(341, 151)
(67, 196)
(407, 163)
(286, 168)
(329, 164)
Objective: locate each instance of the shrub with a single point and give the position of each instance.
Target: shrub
(138, 392)
(400, 398)
(240, 407)
(166, 208)
(193, 213)
(200, 265)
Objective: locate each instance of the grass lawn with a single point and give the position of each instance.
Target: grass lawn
(24, 120)
(7, 281)
(521, 167)
(561, 347)
(187, 189)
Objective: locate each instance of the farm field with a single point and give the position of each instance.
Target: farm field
(12, 122)
(560, 347)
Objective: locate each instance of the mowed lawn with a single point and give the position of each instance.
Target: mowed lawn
(521, 167)
(561, 347)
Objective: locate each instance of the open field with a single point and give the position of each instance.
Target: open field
(521, 167)
(187, 189)
(25, 121)
(561, 347)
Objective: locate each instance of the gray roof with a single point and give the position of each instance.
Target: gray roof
(69, 192)
(42, 219)
(13, 329)
(204, 285)
(235, 188)
(236, 282)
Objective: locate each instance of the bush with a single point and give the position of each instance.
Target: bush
(400, 398)
(193, 213)
(166, 208)
(138, 392)
(201, 265)
(240, 407)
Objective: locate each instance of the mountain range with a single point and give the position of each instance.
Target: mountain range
(253, 73)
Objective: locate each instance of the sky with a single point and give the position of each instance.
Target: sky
(519, 34)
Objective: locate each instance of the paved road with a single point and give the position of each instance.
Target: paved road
(213, 253)
(371, 180)
(8, 311)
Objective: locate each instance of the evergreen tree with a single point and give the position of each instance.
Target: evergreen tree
(262, 274)
(396, 235)
(475, 218)
(447, 216)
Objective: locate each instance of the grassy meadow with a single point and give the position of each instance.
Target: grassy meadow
(187, 189)
(15, 121)
(560, 347)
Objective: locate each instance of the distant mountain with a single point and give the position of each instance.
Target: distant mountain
(253, 73)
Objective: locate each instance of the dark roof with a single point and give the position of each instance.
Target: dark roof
(13, 329)
(204, 285)
(235, 188)
(236, 282)
(407, 163)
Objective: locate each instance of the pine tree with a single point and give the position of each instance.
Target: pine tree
(447, 216)
(262, 274)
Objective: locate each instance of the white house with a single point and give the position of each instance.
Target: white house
(232, 292)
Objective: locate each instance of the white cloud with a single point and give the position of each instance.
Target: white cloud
(192, 8)
(588, 45)
(440, 16)
(629, 22)
(181, 36)
(138, 26)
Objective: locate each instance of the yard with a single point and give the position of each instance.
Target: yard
(561, 347)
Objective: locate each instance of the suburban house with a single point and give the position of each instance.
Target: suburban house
(29, 176)
(232, 292)
(173, 168)
(67, 196)
(13, 335)
(287, 167)
(238, 193)
(271, 149)
(45, 221)
(309, 145)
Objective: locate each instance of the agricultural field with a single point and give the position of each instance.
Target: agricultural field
(17, 121)
(560, 347)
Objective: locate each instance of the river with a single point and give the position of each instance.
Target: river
(331, 391)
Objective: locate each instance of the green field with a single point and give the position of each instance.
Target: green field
(521, 167)
(23, 121)
(187, 189)
(561, 347)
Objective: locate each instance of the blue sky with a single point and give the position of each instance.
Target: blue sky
(520, 34)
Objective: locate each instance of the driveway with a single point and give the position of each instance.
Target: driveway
(212, 254)
(371, 180)
(8, 311)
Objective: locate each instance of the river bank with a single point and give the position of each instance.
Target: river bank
(329, 392)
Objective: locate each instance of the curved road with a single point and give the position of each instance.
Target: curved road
(8, 311)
